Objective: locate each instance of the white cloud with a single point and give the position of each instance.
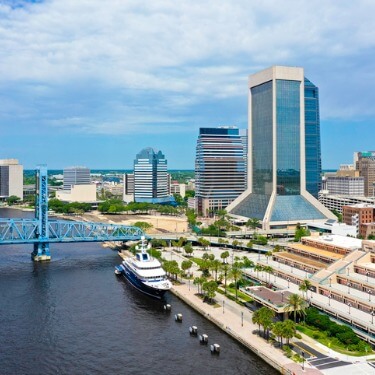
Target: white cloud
(187, 51)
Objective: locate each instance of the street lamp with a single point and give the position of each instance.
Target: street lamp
(349, 288)
(223, 306)
(303, 360)
(241, 318)
(291, 269)
(367, 273)
(330, 282)
(347, 271)
(288, 281)
(349, 306)
(369, 295)
(329, 299)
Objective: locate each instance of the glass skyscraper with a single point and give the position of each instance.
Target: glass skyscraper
(284, 150)
(151, 178)
(219, 168)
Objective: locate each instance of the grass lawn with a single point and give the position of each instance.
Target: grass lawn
(330, 342)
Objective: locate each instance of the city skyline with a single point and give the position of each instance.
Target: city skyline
(110, 79)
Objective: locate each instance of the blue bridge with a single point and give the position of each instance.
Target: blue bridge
(41, 231)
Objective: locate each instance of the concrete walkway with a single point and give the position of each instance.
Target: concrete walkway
(229, 317)
(236, 321)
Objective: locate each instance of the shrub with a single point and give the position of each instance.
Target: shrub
(298, 336)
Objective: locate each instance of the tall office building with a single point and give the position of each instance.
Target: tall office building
(245, 145)
(11, 179)
(365, 164)
(219, 168)
(277, 172)
(151, 180)
(312, 139)
(76, 176)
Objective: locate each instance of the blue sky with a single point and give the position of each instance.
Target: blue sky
(92, 82)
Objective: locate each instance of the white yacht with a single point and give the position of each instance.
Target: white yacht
(145, 272)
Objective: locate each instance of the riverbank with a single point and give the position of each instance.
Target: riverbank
(236, 322)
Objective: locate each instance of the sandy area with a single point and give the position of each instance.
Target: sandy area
(160, 223)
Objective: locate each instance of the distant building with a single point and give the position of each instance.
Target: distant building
(344, 185)
(77, 186)
(245, 145)
(219, 168)
(365, 164)
(151, 180)
(76, 176)
(11, 178)
(78, 193)
(284, 162)
(336, 202)
(128, 186)
(359, 215)
(177, 188)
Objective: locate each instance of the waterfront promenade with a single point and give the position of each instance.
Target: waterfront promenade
(236, 320)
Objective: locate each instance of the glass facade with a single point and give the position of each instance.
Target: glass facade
(219, 168)
(261, 138)
(288, 173)
(312, 139)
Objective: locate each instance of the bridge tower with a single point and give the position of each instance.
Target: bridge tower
(41, 248)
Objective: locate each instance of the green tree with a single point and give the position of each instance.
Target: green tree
(203, 242)
(289, 330)
(215, 266)
(12, 200)
(296, 304)
(236, 275)
(305, 286)
(224, 255)
(278, 330)
(143, 225)
(225, 271)
(210, 287)
(268, 254)
(188, 249)
(186, 265)
(269, 271)
(257, 319)
(252, 223)
(300, 232)
(258, 268)
(199, 281)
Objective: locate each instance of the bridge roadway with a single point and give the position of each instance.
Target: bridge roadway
(25, 231)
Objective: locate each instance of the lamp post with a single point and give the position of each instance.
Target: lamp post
(241, 318)
(347, 271)
(330, 282)
(349, 306)
(372, 316)
(369, 295)
(329, 299)
(288, 281)
(189, 284)
(303, 360)
(223, 306)
(349, 288)
(367, 273)
(291, 269)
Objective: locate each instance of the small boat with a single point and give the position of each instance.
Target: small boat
(144, 272)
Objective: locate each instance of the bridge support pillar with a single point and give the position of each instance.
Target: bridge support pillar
(41, 252)
(41, 248)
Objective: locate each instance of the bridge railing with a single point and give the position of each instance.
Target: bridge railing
(13, 231)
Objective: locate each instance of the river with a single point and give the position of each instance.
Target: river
(74, 316)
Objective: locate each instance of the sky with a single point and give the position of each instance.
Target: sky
(93, 82)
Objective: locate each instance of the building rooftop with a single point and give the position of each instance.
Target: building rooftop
(336, 240)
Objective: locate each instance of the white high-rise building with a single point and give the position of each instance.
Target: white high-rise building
(151, 180)
(11, 178)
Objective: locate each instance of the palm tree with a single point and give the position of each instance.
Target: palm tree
(257, 319)
(214, 266)
(268, 254)
(305, 286)
(266, 317)
(225, 269)
(296, 304)
(289, 330)
(236, 274)
(258, 267)
(269, 270)
(278, 330)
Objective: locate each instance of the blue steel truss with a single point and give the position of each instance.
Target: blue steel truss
(41, 231)
(19, 231)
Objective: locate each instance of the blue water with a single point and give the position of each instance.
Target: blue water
(74, 316)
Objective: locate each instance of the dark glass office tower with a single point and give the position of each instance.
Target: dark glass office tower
(312, 139)
(279, 162)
